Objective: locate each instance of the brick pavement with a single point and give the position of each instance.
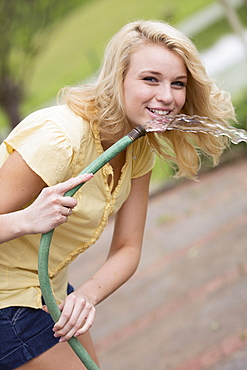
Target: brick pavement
(186, 306)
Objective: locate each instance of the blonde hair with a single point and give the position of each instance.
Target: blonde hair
(102, 102)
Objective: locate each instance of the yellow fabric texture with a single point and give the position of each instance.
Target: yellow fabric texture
(57, 144)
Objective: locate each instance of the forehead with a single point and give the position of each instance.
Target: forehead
(155, 56)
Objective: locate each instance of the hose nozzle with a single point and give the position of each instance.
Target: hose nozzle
(137, 132)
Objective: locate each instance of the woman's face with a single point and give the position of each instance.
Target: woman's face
(154, 85)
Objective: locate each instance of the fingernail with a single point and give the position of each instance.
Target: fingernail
(62, 340)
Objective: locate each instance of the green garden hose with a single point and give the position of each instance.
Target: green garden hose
(46, 238)
(180, 122)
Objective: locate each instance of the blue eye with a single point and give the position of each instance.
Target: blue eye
(150, 79)
(179, 84)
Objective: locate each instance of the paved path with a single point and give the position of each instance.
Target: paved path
(186, 307)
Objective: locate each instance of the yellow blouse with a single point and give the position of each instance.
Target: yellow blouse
(57, 144)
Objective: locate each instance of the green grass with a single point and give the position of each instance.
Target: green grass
(74, 49)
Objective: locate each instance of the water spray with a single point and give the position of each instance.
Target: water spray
(184, 123)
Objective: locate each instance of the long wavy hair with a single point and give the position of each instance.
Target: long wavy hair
(102, 103)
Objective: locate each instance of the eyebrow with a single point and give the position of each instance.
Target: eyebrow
(159, 74)
(150, 71)
(182, 77)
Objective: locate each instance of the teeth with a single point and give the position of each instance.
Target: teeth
(159, 112)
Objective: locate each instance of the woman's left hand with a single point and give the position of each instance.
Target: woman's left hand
(77, 317)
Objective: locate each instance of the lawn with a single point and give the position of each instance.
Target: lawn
(73, 50)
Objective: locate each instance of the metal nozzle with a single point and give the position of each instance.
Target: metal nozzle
(137, 132)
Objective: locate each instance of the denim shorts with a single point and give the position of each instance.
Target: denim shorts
(25, 333)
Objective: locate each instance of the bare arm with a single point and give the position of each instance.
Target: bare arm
(18, 186)
(121, 263)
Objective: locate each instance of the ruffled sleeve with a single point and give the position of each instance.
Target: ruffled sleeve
(44, 147)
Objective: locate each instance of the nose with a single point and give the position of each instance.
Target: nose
(164, 94)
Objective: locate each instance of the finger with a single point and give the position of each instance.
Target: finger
(88, 322)
(70, 326)
(80, 312)
(65, 316)
(69, 331)
(83, 323)
(67, 211)
(44, 308)
(69, 203)
(73, 323)
(61, 306)
(71, 183)
(73, 306)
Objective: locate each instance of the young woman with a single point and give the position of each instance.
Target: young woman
(150, 69)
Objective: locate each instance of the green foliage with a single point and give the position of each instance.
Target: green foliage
(3, 122)
(161, 170)
(241, 110)
(75, 47)
(22, 25)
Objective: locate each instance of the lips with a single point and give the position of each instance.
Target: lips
(159, 112)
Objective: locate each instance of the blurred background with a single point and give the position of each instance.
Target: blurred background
(185, 309)
(46, 45)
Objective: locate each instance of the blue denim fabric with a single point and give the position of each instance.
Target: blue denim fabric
(25, 333)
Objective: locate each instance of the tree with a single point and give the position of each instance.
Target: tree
(22, 26)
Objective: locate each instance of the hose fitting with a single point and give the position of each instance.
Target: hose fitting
(137, 132)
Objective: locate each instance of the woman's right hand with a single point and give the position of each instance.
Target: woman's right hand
(51, 208)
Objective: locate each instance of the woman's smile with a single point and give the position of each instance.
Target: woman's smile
(154, 85)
